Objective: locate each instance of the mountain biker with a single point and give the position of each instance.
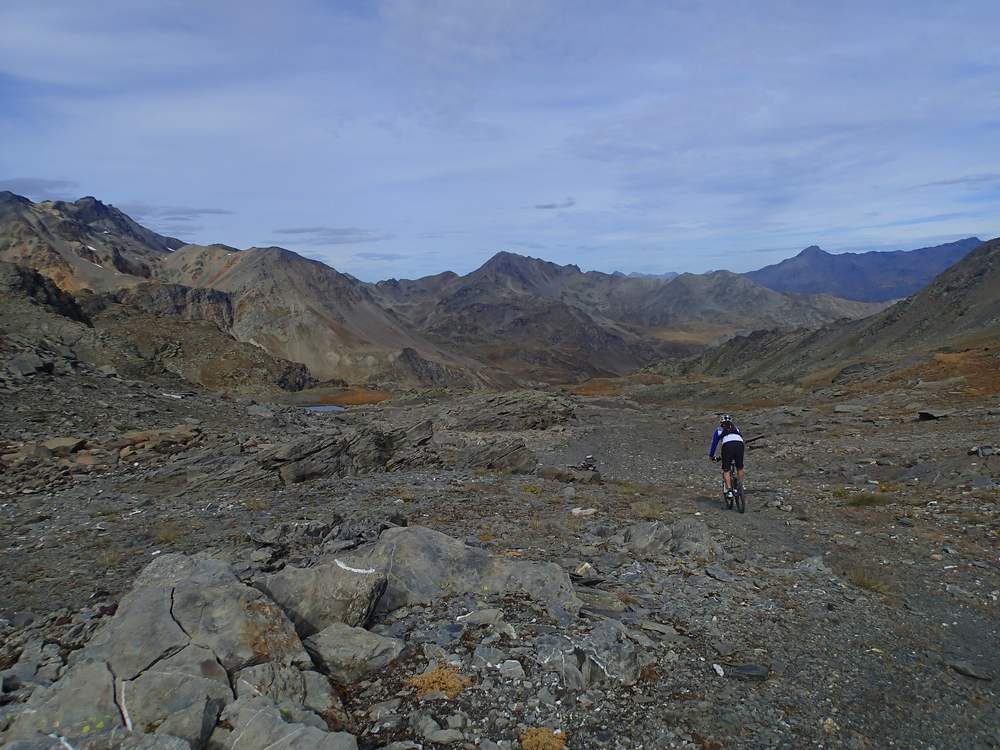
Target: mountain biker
(732, 450)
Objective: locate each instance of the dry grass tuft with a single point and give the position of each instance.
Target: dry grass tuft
(574, 523)
(650, 673)
(598, 387)
(166, 532)
(542, 738)
(647, 378)
(533, 489)
(357, 397)
(109, 558)
(443, 679)
(867, 500)
(626, 487)
(977, 365)
(866, 578)
(648, 510)
(255, 504)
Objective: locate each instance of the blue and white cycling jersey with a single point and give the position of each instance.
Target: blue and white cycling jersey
(718, 437)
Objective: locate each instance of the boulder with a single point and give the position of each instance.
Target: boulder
(556, 653)
(240, 624)
(423, 565)
(142, 632)
(497, 455)
(348, 654)
(80, 706)
(25, 365)
(647, 538)
(257, 724)
(346, 452)
(289, 686)
(179, 600)
(610, 655)
(158, 439)
(567, 475)
(690, 537)
(134, 741)
(92, 458)
(163, 662)
(510, 411)
(325, 594)
(181, 695)
(38, 664)
(63, 446)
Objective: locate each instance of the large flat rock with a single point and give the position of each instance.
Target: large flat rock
(422, 565)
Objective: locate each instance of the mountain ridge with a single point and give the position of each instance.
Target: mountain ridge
(872, 276)
(958, 309)
(515, 319)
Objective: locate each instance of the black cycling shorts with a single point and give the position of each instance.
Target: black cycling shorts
(732, 453)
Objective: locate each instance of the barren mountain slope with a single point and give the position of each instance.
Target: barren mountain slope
(514, 318)
(563, 323)
(727, 298)
(637, 302)
(45, 324)
(81, 245)
(525, 315)
(960, 308)
(302, 310)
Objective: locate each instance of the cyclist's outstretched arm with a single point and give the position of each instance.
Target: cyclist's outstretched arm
(715, 443)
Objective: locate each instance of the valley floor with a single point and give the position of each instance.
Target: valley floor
(854, 605)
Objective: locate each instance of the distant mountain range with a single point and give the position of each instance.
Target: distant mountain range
(513, 320)
(959, 311)
(867, 277)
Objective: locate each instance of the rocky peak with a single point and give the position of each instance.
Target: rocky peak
(89, 210)
(12, 204)
(813, 251)
(525, 270)
(8, 197)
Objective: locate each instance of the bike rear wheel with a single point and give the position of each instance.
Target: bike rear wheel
(741, 503)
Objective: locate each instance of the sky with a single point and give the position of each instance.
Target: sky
(399, 138)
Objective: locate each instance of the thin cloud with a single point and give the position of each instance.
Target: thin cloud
(568, 203)
(333, 235)
(39, 188)
(171, 213)
(677, 142)
(970, 179)
(380, 257)
(932, 219)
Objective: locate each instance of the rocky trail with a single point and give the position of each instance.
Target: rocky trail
(182, 570)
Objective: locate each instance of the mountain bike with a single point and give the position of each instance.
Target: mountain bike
(739, 496)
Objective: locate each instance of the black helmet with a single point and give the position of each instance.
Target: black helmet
(725, 418)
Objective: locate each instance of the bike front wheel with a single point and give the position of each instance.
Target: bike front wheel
(741, 503)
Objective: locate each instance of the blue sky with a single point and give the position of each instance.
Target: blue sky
(405, 137)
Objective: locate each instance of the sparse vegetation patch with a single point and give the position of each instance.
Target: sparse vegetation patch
(543, 738)
(441, 679)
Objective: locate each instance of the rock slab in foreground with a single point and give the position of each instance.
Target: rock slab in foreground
(422, 566)
(257, 724)
(347, 654)
(164, 662)
(325, 594)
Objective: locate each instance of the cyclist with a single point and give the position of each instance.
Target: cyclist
(732, 450)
